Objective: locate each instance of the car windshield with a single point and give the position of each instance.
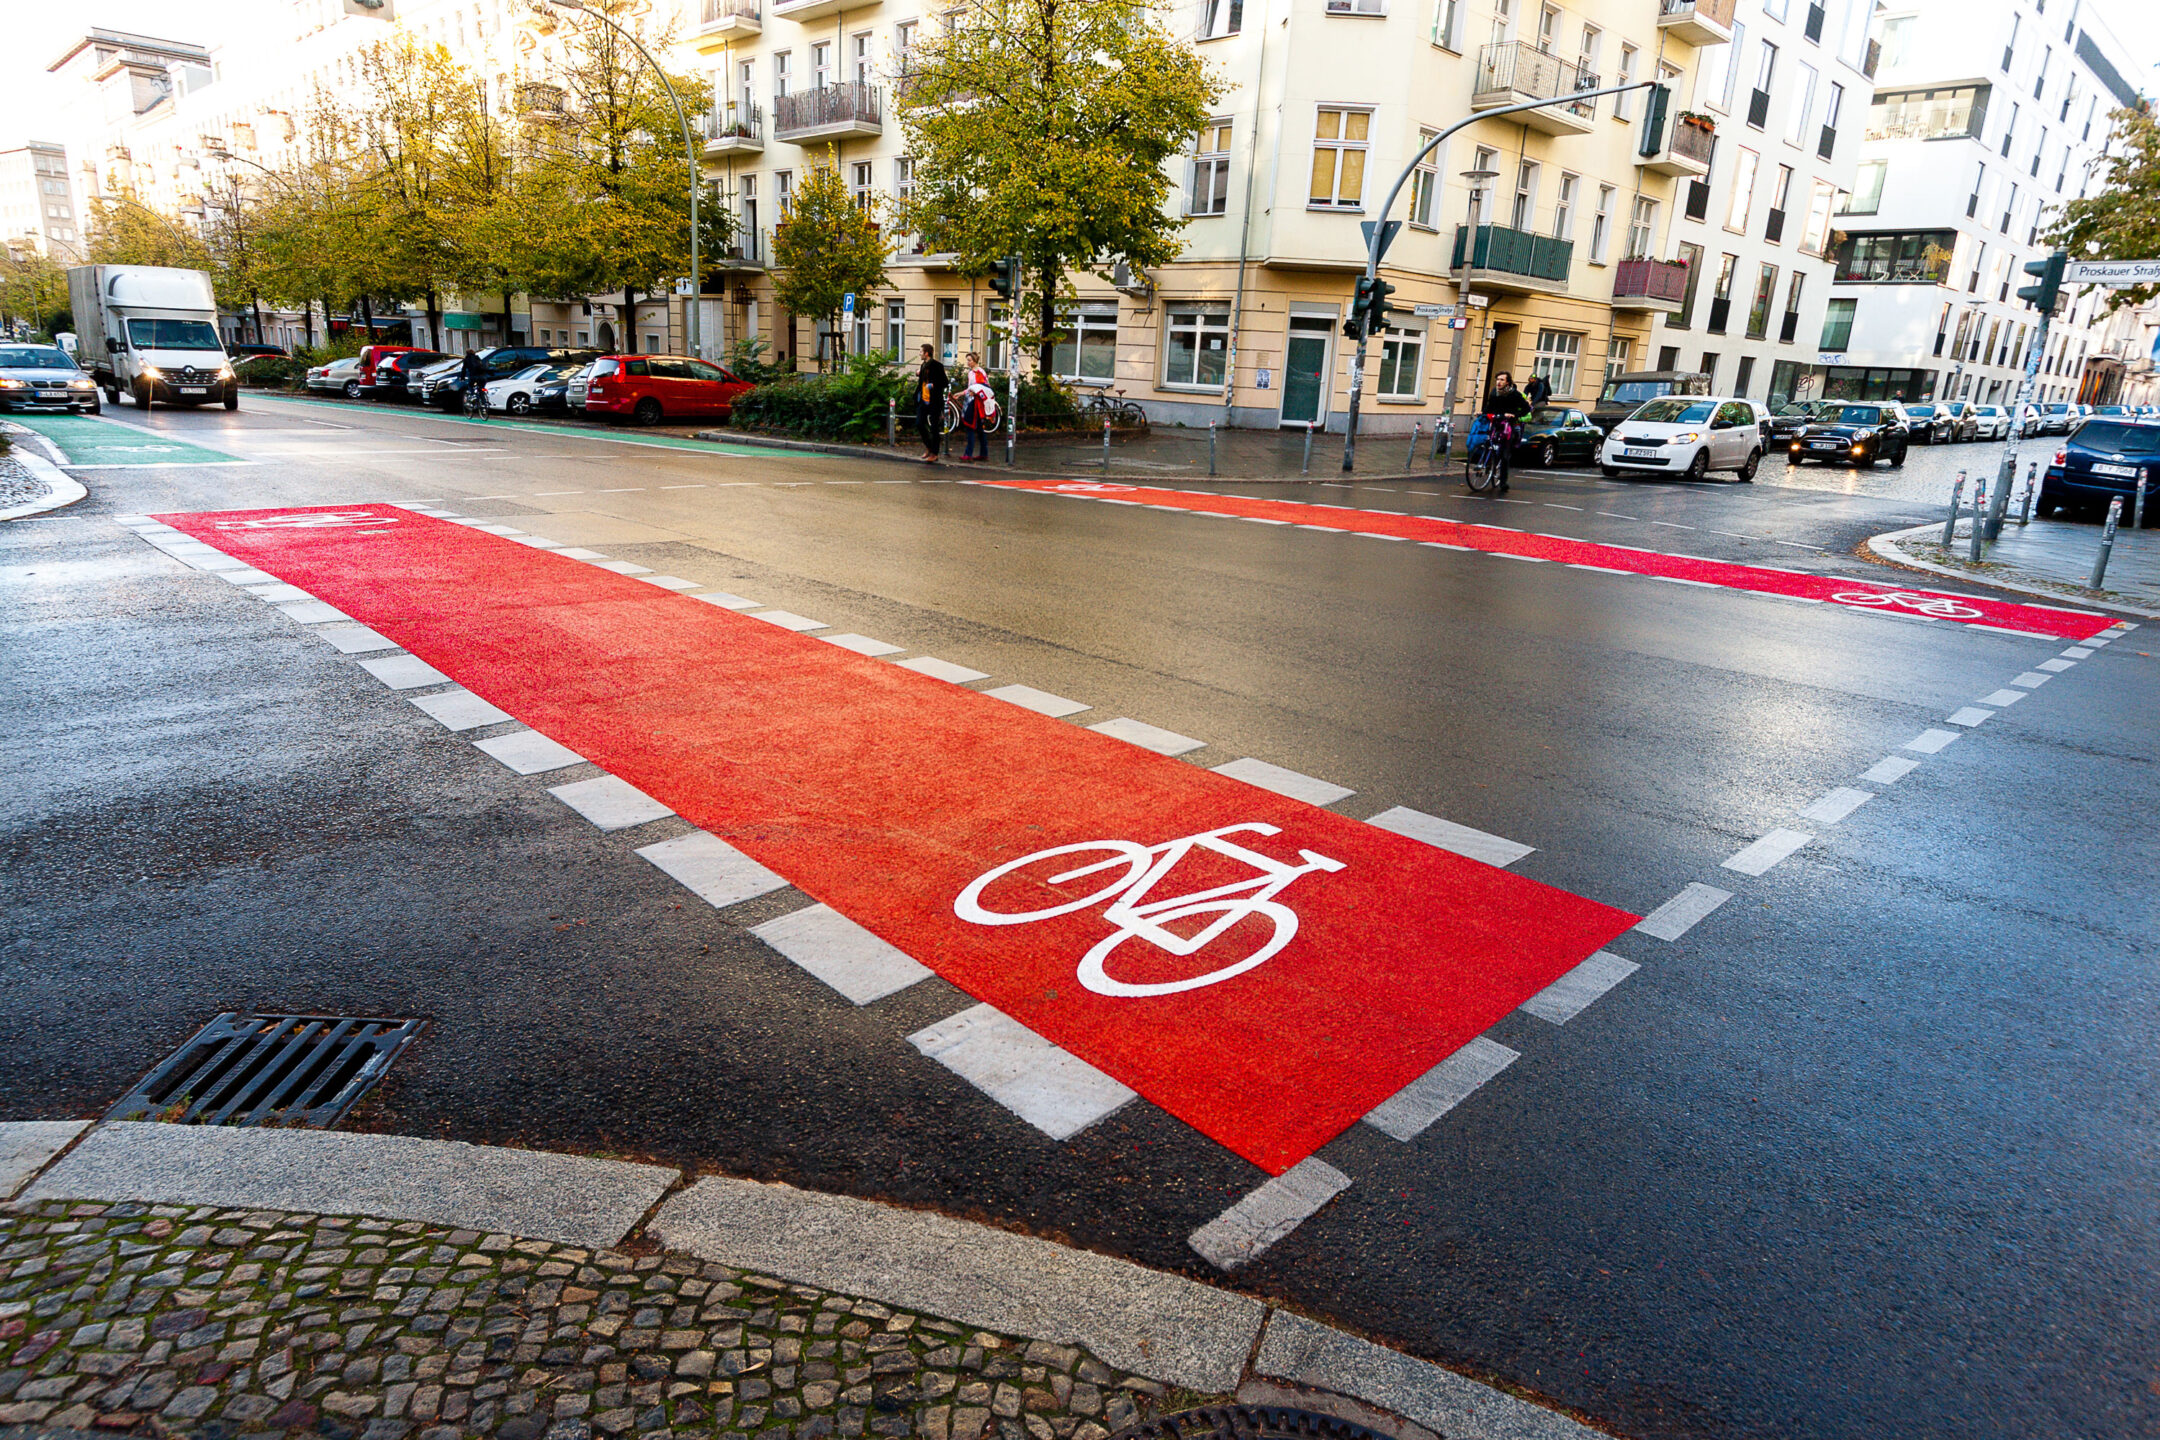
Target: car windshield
(1859, 415)
(1923, 411)
(1674, 411)
(1804, 407)
(1634, 392)
(173, 335)
(1547, 416)
(2056, 409)
(2119, 437)
(21, 357)
(1989, 410)
(533, 372)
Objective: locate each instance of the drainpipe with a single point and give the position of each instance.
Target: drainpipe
(1252, 164)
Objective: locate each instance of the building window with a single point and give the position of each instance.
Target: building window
(903, 47)
(999, 326)
(1563, 213)
(1780, 198)
(1616, 358)
(1221, 17)
(1198, 343)
(1525, 208)
(896, 326)
(1821, 196)
(2009, 208)
(903, 177)
(1832, 112)
(1935, 114)
(860, 342)
(1642, 228)
(1709, 367)
(1424, 185)
(1211, 169)
(1402, 363)
(1721, 296)
(1803, 102)
(1601, 224)
(1866, 196)
(948, 328)
(859, 183)
(1338, 162)
(1624, 103)
(821, 64)
(1758, 315)
(783, 184)
(1447, 25)
(1758, 110)
(1085, 346)
(1743, 190)
(1745, 377)
(1791, 324)
(1909, 257)
(748, 194)
(1690, 255)
(1555, 359)
(1837, 324)
(782, 73)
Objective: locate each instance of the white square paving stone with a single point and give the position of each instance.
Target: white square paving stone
(610, 802)
(1284, 782)
(1042, 702)
(938, 669)
(579, 552)
(280, 594)
(1052, 1089)
(1931, 742)
(498, 529)
(619, 567)
(711, 869)
(1147, 737)
(841, 953)
(2003, 698)
(460, 710)
(726, 601)
(1971, 715)
(862, 644)
(669, 582)
(788, 620)
(355, 639)
(404, 672)
(248, 575)
(1577, 990)
(528, 752)
(312, 612)
(2031, 680)
(1890, 769)
(1447, 835)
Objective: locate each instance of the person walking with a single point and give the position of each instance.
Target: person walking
(977, 409)
(1539, 391)
(930, 385)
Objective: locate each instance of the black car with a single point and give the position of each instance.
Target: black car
(1932, 424)
(503, 361)
(1554, 435)
(1852, 432)
(1781, 426)
(393, 373)
(2105, 458)
(239, 350)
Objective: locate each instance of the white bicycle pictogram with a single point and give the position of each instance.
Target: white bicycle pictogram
(1126, 904)
(321, 521)
(1942, 607)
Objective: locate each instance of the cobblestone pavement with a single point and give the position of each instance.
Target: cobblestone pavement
(164, 1320)
(17, 485)
(2056, 555)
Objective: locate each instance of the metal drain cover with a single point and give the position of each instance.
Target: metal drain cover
(296, 1070)
(1248, 1422)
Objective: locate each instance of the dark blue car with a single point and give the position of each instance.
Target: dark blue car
(2102, 459)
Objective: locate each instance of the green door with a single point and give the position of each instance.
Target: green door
(1305, 359)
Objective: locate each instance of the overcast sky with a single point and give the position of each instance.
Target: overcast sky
(37, 34)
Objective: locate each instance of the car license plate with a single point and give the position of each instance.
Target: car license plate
(194, 389)
(52, 394)
(1825, 445)
(2127, 472)
(1631, 453)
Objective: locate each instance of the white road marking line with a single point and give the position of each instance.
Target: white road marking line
(622, 490)
(711, 869)
(669, 582)
(2032, 680)
(860, 644)
(2003, 698)
(528, 752)
(1556, 505)
(1836, 805)
(1582, 986)
(1601, 569)
(2079, 652)
(1284, 782)
(1411, 1110)
(842, 954)
(938, 669)
(247, 576)
(1614, 515)
(610, 802)
(2058, 665)
(404, 672)
(1042, 702)
(538, 542)
(1375, 535)
(1533, 559)
(1247, 1229)
(788, 620)
(1768, 851)
(1931, 742)
(1147, 737)
(726, 601)
(1449, 836)
(1671, 526)
(699, 486)
(280, 594)
(1330, 529)
(1890, 769)
(1970, 715)
(312, 612)
(355, 639)
(1683, 912)
(579, 552)
(469, 522)
(459, 710)
(1255, 519)
(548, 494)
(619, 567)
(1677, 580)
(1052, 1089)
(504, 530)
(1443, 545)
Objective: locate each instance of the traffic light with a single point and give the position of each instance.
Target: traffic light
(1654, 112)
(2042, 297)
(1005, 277)
(1368, 308)
(1376, 307)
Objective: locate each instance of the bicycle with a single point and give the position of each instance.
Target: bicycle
(1934, 607)
(475, 402)
(1485, 469)
(1126, 905)
(1100, 405)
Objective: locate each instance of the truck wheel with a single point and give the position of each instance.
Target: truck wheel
(232, 400)
(112, 394)
(142, 394)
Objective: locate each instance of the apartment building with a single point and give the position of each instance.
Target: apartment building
(1773, 141)
(1987, 115)
(37, 204)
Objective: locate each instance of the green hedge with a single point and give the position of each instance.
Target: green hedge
(850, 404)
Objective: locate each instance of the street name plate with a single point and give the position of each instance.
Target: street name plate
(1433, 312)
(2112, 272)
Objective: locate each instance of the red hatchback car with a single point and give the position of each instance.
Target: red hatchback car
(652, 388)
(372, 356)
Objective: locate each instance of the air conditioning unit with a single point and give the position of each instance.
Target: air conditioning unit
(1129, 279)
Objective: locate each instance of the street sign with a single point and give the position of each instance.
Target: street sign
(1433, 312)
(847, 303)
(1387, 237)
(2112, 272)
(1460, 322)
(1477, 300)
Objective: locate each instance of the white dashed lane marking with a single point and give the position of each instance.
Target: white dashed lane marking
(404, 672)
(528, 752)
(1284, 782)
(355, 639)
(1581, 987)
(2003, 698)
(938, 669)
(1890, 769)
(2032, 680)
(1681, 913)
(1042, 702)
(711, 869)
(787, 620)
(1049, 1087)
(459, 710)
(726, 601)
(862, 644)
(1836, 805)
(842, 953)
(1768, 851)
(1148, 737)
(1970, 716)
(1447, 835)
(1411, 1110)
(1246, 1230)
(1931, 742)
(610, 802)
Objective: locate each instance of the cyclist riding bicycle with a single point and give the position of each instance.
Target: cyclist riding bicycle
(1504, 407)
(474, 374)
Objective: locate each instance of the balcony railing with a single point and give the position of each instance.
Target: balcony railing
(850, 106)
(1692, 142)
(1516, 70)
(1650, 280)
(716, 12)
(1516, 252)
(1699, 22)
(745, 123)
(538, 99)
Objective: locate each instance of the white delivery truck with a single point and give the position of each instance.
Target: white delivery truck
(152, 332)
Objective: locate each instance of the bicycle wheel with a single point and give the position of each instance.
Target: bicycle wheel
(1484, 472)
(1092, 975)
(1129, 416)
(968, 905)
(952, 415)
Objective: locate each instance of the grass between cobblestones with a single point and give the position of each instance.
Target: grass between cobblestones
(163, 1320)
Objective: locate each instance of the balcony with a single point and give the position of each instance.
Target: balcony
(1659, 285)
(723, 22)
(539, 102)
(1699, 22)
(1687, 152)
(1513, 260)
(1515, 70)
(737, 130)
(815, 9)
(830, 112)
(744, 255)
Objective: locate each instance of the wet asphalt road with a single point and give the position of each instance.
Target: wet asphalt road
(1867, 1152)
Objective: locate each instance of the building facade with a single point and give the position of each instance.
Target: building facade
(37, 203)
(1987, 116)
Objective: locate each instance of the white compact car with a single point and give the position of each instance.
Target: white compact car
(1688, 436)
(1994, 422)
(516, 393)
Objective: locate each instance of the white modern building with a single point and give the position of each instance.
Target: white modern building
(37, 204)
(1987, 115)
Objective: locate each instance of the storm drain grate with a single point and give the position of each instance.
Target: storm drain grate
(297, 1070)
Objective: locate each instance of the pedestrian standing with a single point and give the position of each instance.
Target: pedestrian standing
(977, 407)
(1538, 391)
(930, 404)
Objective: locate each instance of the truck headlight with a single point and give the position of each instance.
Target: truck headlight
(224, 372)
(151, 372)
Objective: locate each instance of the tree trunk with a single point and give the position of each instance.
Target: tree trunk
(507, 340)
(307, 318)
(1048, 319)
(434, 321)
(367, 317)
(255, 305)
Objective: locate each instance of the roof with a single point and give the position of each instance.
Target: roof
(147, 46)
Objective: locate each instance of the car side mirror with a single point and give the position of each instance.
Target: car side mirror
(1721, 424)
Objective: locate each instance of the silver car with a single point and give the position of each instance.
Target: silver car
(425, 381)
(340, 377)
(44, 377)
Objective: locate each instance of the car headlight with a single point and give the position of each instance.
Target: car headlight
(224, 372)
(6, 384)
(80, 382)
(151, 372)
(1687, 439)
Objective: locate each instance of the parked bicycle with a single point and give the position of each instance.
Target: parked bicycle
(1102, 403)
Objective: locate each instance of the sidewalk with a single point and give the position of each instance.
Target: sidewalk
(2052, 558)
(165, 1279)
(30, 484)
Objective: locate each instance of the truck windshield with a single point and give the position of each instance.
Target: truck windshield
(173, 335)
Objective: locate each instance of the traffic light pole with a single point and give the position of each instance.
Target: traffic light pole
(1380, 233)
(2042, 297)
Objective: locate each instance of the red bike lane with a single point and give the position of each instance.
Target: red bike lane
(887, 795)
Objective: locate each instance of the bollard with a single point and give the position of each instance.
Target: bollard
(1979, 519)
(1416, 429)
(1441, 438)
(2025, 513)
(1306, 468)
(892, 421)
(1211, 448)
(2137, 516)
(2107, 543)
(1106, 445)
(1957, 497)
(1012, 409)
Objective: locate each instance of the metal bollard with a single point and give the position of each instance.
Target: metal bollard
(892, 421)
(1417, 428)
(1442, 438)
(2137, 516)
(1957, 498)
(2025, 513)
(2107, 543)
(1306, 468)
(1211, 447)
(1979, 519)
(1106, 445)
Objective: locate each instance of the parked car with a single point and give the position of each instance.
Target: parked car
(339, 377)
(1966, 418)
(45, 377)
(1931, 424)
(261, 369)
(2105, 459)
(1555, 435)
(1791, 417)
(1991, 422)
(1623, 393)
(370, 357)
(2053, 418)
(235, 352)
(394, 373)
(1859, 433)
(2112, 412)
(447, 392)
(1689, 435)
(650, 388)
(536, 387)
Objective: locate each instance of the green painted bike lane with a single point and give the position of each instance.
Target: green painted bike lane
(560, 432)
(89, 443)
